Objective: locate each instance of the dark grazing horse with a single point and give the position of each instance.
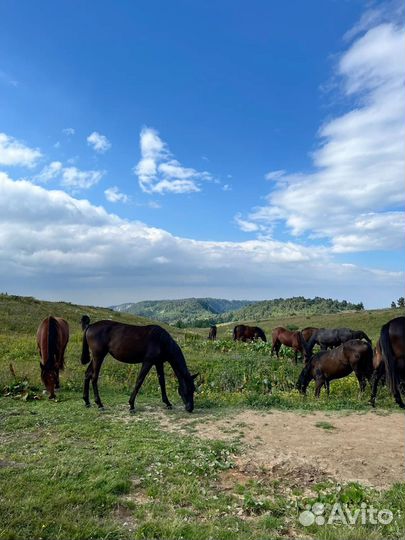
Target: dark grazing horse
(52, 338)
(242, 332)
(213, 333)
(282, 336)
(332, 337)
(389, 359)
(353, 355)
(149, 345)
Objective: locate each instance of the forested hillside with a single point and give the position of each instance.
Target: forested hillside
(200, 312)
(185, 311)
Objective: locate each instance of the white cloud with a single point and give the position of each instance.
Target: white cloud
(69, 177)
(99, 142)
(74, 178)
(159, 172)
(245, 226)
(54, 244)
(114, 195)
(16, 153)
(359, 166)
(49, 172)
(68, 131)
(275, 175)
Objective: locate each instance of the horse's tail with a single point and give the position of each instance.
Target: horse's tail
(307, 347)
(391, 369)
(234, 333)
(53, 349)
(369, 357)
(85, 358)
(261, 334)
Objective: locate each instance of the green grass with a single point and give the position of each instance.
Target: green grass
(325, 425)
(73, 473)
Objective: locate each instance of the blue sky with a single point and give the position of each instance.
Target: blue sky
(242, 151)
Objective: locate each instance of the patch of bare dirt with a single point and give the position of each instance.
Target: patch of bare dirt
(307, 448)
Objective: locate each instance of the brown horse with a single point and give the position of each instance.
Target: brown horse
(308, 332)
(213, 333)
(354, 355)
(389, 359)
(148, 345)
(282, 336)
(52, 338)
(242, 332)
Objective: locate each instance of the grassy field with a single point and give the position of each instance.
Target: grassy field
(70, 472)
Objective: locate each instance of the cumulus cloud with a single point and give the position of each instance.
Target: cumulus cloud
(114, 195)
(16, 153)
(98, 142)
(159, 172)
(60, 245)
(354, 196)
(70, 177)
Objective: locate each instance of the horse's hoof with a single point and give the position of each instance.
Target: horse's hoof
(132, 411)
(87, 405)
(101, 408)
(169, 406)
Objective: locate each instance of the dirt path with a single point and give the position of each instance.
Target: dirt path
(366, 448)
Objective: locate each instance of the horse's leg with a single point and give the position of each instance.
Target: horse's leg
(327, 386)
(97, 362)
(57, 382)
(362, 380)
(398, 398)
(295, 356)
(162, 382)
(87, 378)
(319, 382)
(375, 379)
(146, 366)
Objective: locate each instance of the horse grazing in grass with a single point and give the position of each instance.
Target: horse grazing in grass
(52, 338)
(332, 337)
(354, 355)
(389, 359)
(282, 336)
(242, 332)
(213, 333)
(149, 345)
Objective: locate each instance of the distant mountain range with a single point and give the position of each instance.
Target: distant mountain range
(206, 311)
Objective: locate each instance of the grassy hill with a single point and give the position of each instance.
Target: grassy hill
(187, 310)
(22, 314)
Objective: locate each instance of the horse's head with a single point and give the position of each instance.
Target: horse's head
(50, 379)
(305, 378)
(186, 391)
(85, 321)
